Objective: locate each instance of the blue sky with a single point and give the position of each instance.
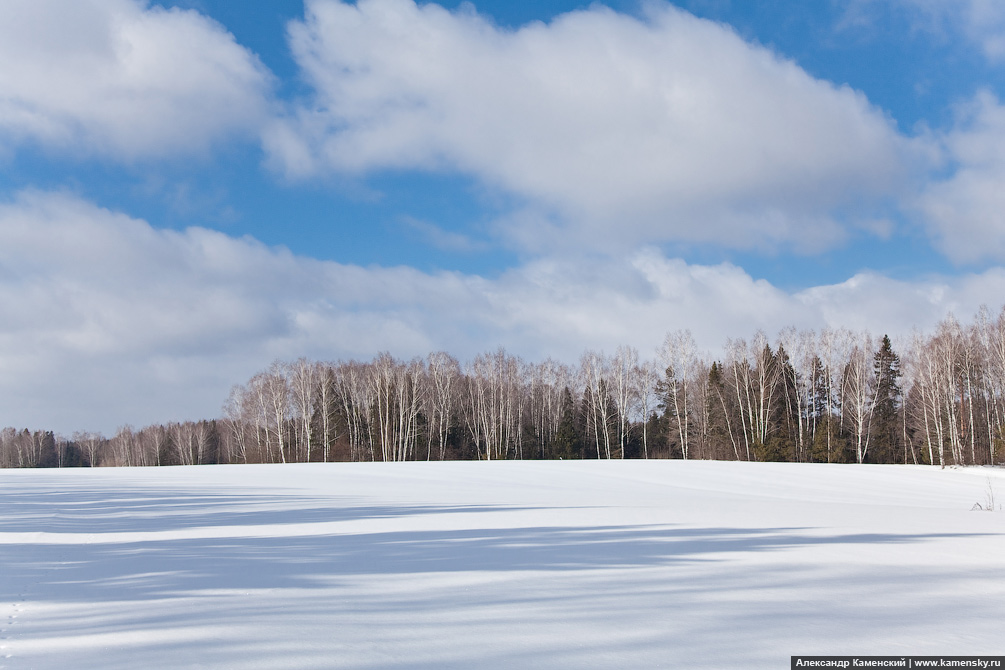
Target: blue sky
(190, 190)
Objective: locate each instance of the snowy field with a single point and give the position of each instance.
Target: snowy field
(496, 565)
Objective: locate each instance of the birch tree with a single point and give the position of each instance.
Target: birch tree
(678, 358)
(444, 372)
(625, 384)
(860, 395)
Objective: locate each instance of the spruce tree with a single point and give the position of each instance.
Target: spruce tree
(886, 423)
(567, 442)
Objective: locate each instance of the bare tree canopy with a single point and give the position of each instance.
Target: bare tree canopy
(833, 396)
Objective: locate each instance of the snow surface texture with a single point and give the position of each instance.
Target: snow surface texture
(496, 565)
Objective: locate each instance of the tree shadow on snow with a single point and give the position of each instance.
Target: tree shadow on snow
(93, 569)
(128, 509)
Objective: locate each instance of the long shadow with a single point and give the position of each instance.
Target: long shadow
(164, 568)
(79, 570)
(128, 579)
(127, 509)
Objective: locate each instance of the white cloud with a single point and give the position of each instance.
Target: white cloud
(961, 202)
(980, 21)
(442, 239)
(626, 130)
(964, 212)
(108, 320)
(121, 79)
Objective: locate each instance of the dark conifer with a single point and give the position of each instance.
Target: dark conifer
(567, 442)
(886, 422)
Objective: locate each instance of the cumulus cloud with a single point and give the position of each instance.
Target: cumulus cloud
(122, 79)
(628, 130)
(108, 320)
(964, 211)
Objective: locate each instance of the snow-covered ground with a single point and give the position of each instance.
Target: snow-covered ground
(496, 565)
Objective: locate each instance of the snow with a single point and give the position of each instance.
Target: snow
(496, 565)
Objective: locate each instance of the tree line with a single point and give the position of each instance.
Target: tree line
(836, 396)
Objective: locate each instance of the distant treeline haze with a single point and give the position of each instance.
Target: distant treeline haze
(836, 396)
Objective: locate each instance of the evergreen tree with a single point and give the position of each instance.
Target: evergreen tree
(724, 439)
(167, 452)
(818, 405)
(886, 420)
(568, 439)
(48, 457)
(783, 445)
(775, 449)
(818, 446)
